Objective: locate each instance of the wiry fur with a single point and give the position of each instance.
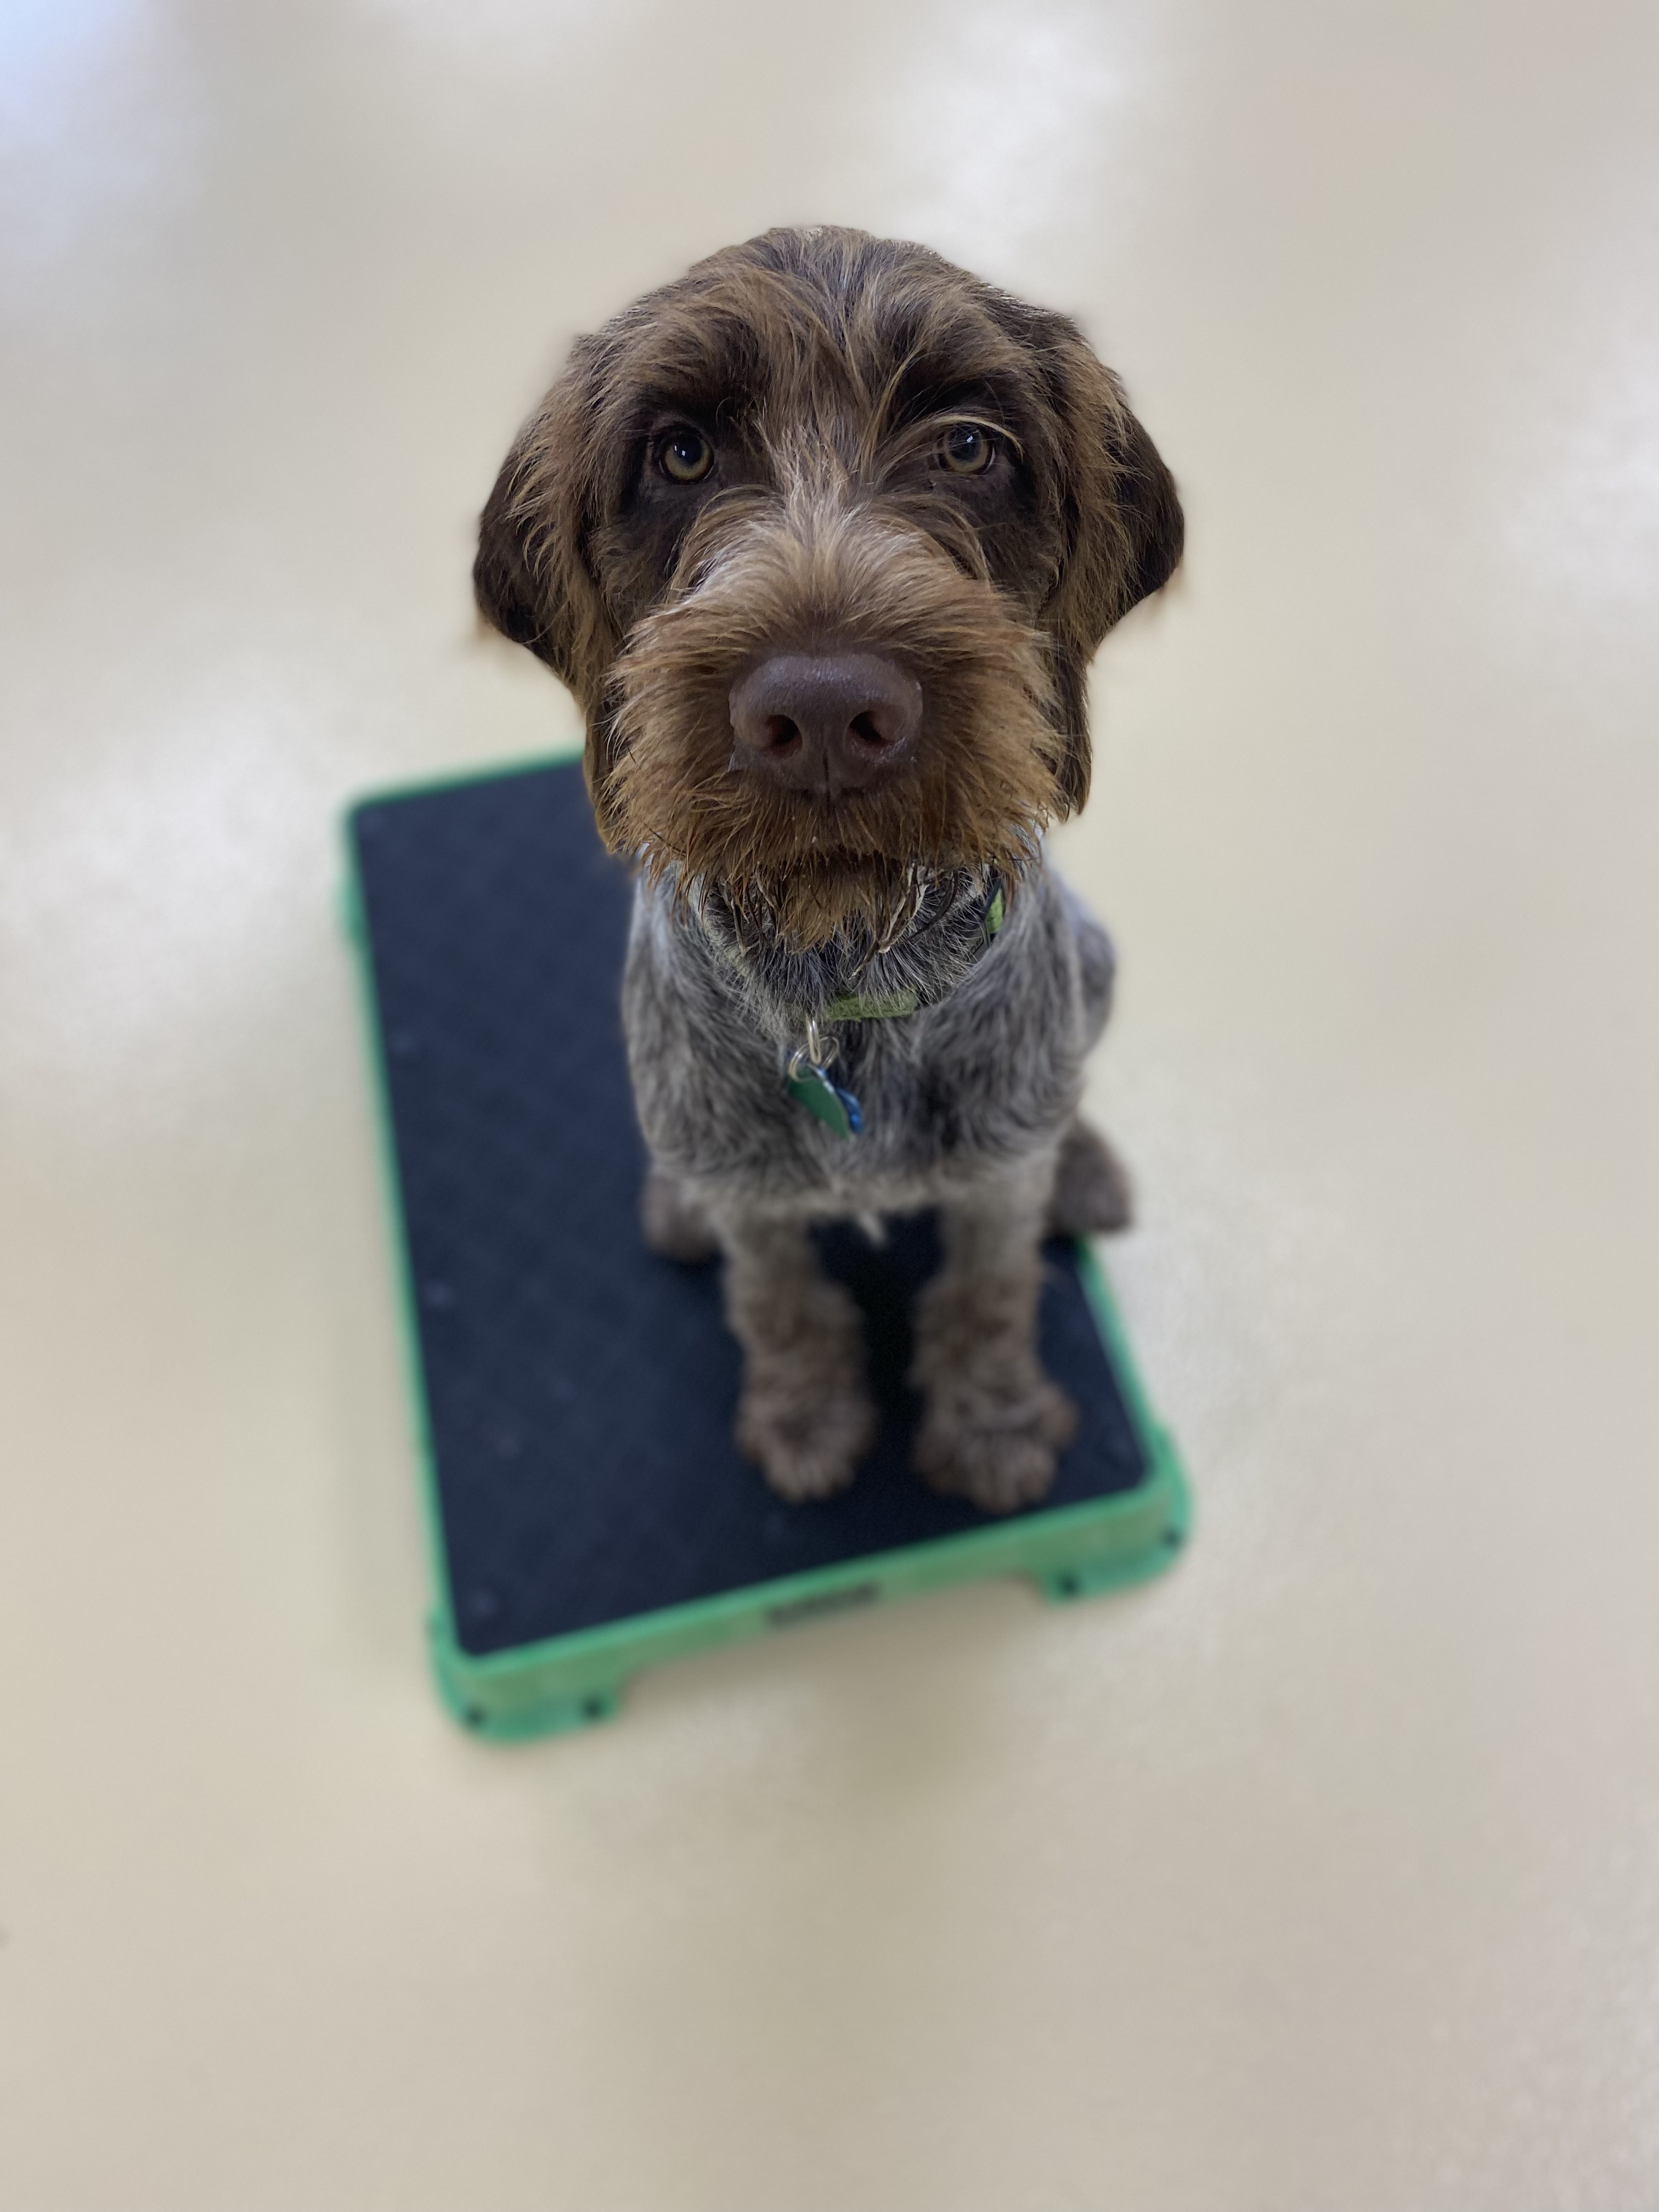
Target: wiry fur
(823, 367)
(817, 570)
(827, 360)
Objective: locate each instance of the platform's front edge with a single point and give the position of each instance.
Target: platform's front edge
(571, 1681)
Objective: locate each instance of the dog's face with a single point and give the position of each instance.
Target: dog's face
(823, 536)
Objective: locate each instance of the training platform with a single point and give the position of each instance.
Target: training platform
(589, 1513)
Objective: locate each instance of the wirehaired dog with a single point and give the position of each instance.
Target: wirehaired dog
(823, 536)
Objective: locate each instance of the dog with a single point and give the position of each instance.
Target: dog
(823, 536)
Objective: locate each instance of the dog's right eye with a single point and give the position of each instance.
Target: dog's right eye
(685, 456)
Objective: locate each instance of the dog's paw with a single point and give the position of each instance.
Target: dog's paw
(805, 1441)
(1092, 1194)
(672, 1221)
(997, 1448)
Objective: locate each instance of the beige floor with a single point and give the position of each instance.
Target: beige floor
(1325, 1874)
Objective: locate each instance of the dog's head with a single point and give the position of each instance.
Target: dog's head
(823, 536)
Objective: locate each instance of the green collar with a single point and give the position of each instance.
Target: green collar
(890, 1005)
(859, 1006)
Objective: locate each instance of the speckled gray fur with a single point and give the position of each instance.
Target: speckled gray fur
(967, 1103)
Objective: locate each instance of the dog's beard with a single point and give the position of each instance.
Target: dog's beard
(856, 906)
(976, 793)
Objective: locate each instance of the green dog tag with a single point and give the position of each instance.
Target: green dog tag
(836, 1109)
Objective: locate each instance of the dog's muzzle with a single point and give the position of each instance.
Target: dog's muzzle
(824, 722)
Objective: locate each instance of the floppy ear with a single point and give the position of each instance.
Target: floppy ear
(533, 577)
(1122, 525)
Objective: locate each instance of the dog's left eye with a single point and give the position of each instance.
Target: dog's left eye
(685, 456)
(966, 450)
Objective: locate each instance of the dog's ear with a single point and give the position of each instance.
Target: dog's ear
(1121, 517)
(533, 578)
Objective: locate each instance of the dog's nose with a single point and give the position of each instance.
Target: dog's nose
(826, 722)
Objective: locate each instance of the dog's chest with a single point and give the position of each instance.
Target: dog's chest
(991, 1074)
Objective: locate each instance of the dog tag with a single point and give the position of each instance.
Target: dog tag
(811, 1087)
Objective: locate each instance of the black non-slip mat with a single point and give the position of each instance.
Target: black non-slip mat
(579, 1391)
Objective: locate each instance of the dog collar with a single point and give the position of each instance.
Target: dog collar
(807, 1078)
(806, 1075)
(861, 1006)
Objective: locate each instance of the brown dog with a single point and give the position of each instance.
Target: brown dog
(823, 536)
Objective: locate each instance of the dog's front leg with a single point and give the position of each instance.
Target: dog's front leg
(674, 1221)
(993, 1422)
(805, 1415)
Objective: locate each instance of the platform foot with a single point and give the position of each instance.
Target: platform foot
(1084, 1578)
